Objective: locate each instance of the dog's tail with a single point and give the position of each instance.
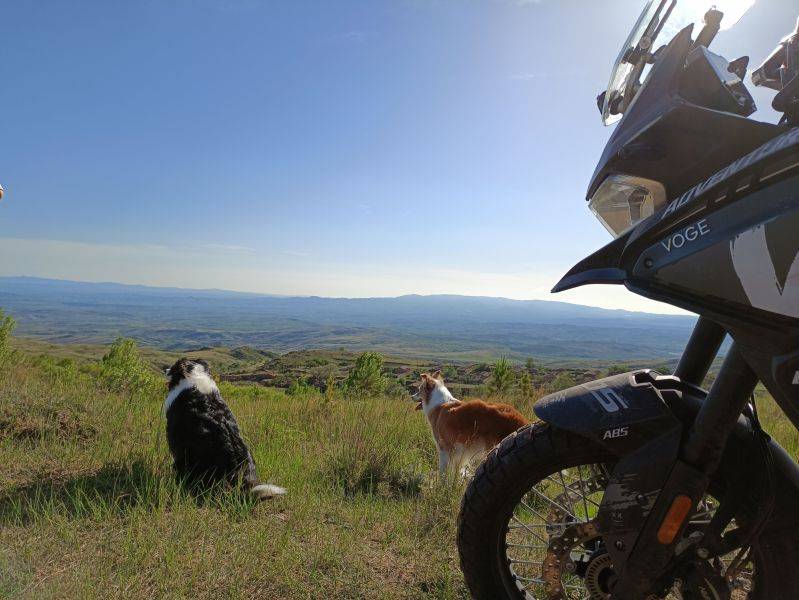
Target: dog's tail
(265, 491)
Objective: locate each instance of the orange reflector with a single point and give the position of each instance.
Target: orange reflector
(679, 511)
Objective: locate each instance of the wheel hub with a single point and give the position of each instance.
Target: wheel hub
(600, 576)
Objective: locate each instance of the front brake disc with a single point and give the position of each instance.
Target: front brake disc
(558, 558)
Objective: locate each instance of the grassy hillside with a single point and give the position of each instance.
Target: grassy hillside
(89, 507)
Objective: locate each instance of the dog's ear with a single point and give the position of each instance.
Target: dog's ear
(428, 381)
(205, 365)
(437, 375)
(177, 367)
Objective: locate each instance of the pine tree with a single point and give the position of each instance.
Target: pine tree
(502, 377)
(526, 385)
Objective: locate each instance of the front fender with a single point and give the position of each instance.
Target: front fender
(622, 412)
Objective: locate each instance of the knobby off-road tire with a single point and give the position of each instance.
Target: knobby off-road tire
(522, 460)
(508, 472)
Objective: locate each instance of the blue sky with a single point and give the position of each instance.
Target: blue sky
(342, 148)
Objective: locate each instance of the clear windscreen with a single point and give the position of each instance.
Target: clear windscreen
(659, 22)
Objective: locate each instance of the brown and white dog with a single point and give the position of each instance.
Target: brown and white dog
(463, 431)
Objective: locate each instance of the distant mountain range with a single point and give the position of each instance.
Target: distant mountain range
(458, 327)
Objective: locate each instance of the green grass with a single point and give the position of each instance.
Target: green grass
(776, 423)
(89, 507)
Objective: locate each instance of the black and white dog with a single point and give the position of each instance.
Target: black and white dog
(203, 434)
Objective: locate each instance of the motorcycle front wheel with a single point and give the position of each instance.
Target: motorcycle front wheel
(526, 532)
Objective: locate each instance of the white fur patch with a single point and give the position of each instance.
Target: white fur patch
(199, 379)
(267, 490)
(438, 396)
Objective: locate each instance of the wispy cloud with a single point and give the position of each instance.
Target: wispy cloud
(357, 36)
(230, 248)
(295, 253)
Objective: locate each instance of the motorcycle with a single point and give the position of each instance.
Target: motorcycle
(644, 485)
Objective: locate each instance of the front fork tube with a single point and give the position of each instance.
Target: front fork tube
(699, 457)
(725, 402)
(701, 351)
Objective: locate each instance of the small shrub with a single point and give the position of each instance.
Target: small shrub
(123, 369)
(299, 387)
(366, 377)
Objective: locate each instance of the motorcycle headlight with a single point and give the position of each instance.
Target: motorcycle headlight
(623, 201)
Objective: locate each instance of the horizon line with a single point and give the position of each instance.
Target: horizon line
(309, 296)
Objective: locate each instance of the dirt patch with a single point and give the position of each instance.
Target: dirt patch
(61, 424)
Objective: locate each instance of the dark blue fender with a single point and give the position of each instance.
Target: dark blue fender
(622, 412)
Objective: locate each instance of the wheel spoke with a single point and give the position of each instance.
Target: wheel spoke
(566, 492)
(555, 504)
(582, 490)
(530, 531)
(527, 546)
(525, 562)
